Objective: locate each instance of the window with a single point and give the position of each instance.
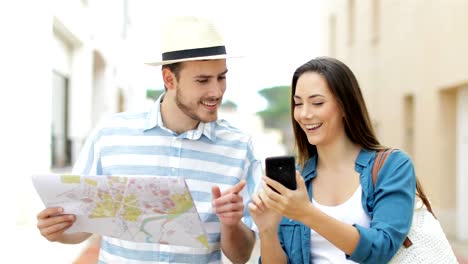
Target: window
(409, 124)
(60, 142)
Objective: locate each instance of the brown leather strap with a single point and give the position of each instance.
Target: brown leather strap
(407, 243)
(382, 155)
(376, 167)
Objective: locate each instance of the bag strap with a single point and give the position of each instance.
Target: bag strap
(378, 163)
(382, 155)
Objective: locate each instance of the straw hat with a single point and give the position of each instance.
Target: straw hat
(189, 38)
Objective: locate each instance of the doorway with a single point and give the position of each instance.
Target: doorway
(60, 142)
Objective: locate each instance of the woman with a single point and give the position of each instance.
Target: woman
(335, 215)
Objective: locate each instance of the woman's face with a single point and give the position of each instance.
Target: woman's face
(316, 110)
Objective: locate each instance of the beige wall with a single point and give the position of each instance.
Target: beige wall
(411, 58)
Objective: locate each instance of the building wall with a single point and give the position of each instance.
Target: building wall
(411, 60)
(462, 154)
(47, 37)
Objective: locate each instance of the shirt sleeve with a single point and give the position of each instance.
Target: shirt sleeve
(392, 211)
(253, 173)
(88, 162)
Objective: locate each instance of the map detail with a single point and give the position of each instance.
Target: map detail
(136, 208)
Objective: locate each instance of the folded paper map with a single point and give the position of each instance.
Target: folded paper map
(135, 208)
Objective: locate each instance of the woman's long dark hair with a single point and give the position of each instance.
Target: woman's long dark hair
(345, 89)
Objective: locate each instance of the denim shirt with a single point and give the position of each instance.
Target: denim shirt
(390, 207)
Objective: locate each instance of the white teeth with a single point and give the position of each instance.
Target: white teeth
(209, 103)
(312, 126)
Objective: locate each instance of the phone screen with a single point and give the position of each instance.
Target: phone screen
(282, 169)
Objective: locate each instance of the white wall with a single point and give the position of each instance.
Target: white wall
(26, 105)
(81, 92)
(61, 61)
(30, 51)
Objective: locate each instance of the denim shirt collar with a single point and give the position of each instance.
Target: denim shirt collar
(154, 120)
(362, 161)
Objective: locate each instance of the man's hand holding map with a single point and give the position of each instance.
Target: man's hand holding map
(136, 208)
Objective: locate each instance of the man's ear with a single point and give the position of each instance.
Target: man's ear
(168, 78)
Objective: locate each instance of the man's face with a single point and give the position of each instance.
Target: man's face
(200, 88)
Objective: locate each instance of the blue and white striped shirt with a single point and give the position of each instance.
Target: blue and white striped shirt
(139, 144)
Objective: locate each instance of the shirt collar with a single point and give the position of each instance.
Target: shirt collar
(309, 171)
(154, 120)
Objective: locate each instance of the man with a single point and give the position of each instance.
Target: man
(180, 136)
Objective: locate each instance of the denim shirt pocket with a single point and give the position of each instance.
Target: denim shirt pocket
(291, 233)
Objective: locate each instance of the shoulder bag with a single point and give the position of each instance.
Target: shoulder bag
(426, 241)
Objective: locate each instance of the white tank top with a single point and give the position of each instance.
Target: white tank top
(350, 212)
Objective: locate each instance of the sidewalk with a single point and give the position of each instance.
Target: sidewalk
(91, 253)
(461, 250)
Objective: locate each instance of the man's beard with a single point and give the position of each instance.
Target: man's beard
(191, 111)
